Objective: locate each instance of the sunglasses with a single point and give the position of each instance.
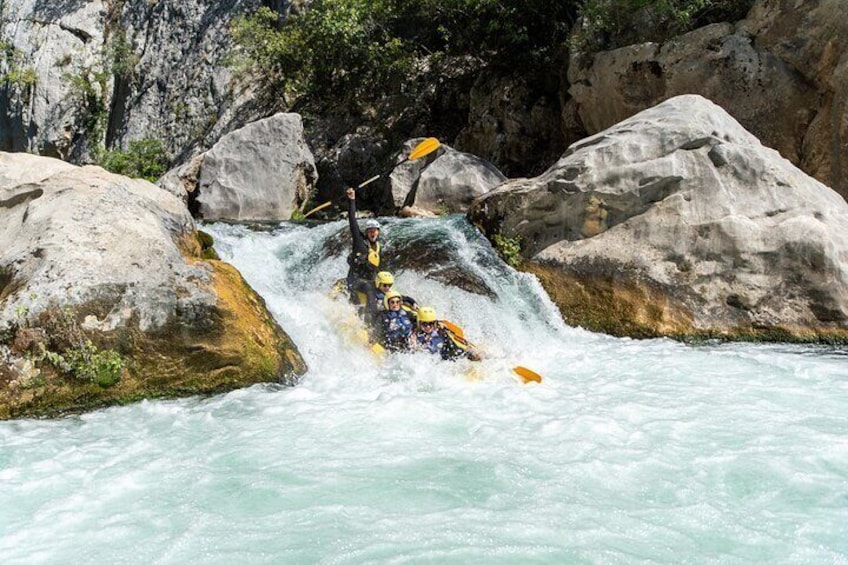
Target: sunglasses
(428, 324)
(385, 285)
(394, 301)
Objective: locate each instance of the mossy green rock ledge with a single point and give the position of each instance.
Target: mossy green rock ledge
(105, 298)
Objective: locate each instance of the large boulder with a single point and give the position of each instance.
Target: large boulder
(446, 181)
(263, 171)
(104, 297)
(679, 222)
(782, 73)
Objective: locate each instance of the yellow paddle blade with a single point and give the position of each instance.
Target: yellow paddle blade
(321, 207)
(378, 349)
(527, 375)
(424, 148)
(453, 328)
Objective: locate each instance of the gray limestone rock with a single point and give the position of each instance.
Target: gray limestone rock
(444, 181)
(681, 198)
(782, 73)
(71, 235)
(263, 171)
(109, 73)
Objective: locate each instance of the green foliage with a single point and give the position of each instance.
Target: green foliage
(335, 48)
(355, 51)
(509, 249)
(21, 312)
(607, 24)
(89, 87)
(501, 33)
(90, 364)
(66, 348)
(145, 158)
(13, 71)
(122, 59)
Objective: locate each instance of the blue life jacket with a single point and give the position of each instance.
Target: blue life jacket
(396, 327)
(433, 340)
(378, 300)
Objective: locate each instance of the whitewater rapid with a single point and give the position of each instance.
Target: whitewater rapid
(628, 451)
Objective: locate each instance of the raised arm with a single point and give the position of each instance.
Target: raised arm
(359, 245)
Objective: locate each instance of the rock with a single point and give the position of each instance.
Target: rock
(417, 250)
(811, 42)
(679, 222)
(446, 181)
(781, 72)
(347, 161)
(414, 212)
(87, 255)
(263, 171)
(55, 44)
(181, 181)
(514, 123)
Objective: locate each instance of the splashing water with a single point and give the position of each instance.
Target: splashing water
(629, 451)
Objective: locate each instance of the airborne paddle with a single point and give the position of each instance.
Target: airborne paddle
(424, 148)
(527, 376)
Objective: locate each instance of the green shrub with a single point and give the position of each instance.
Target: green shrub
(88, 87)
(66, 348)
(334, 49)
(509, 248)
(353, 52)
(145, 158)
(120, 54)
(13, 71)
(608, 24)
(99, 366)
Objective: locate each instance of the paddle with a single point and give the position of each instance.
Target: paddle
(424, 148)
(527, 376)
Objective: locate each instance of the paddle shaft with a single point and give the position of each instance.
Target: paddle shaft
(424, 148)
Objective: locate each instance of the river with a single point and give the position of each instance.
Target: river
(629, 451)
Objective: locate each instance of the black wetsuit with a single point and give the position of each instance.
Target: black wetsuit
(363, 270)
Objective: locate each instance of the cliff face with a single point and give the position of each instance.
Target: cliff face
(99, 72)
(782, 73)
(88, 74)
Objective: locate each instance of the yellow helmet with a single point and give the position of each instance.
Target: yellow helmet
(426, 314)
(384, 277)
(389, 295)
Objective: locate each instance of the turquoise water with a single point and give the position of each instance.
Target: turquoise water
(628, 452)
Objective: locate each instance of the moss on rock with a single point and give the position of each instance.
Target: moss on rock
(617, 307)
(625, 306)
(233, 344)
